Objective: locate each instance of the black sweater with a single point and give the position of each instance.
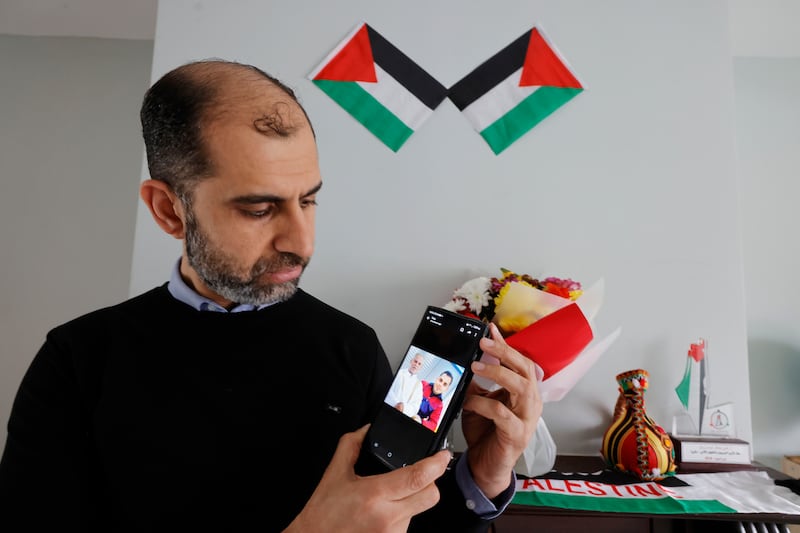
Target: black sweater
(152, 416)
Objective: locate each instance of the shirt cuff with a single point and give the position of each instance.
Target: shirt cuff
(476, 500)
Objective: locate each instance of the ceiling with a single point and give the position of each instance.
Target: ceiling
(111, 19)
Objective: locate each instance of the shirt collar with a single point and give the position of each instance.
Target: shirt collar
(182, 292)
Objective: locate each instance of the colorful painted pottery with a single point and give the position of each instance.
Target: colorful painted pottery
(634, 443)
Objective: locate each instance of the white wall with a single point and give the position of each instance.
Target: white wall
(70, 162)
(764, 28)
(768, 136)
(634, 180)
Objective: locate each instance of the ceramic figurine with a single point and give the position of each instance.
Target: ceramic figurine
(634, 443)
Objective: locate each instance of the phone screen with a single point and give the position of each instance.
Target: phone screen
(428, 389)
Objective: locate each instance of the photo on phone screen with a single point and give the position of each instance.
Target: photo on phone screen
(423, 386)
(426, 393)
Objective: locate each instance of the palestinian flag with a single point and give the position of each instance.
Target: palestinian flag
(513, 91)
(607, 491)
(379, 85)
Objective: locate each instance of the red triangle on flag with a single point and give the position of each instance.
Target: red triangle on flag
(353, 62)
(543, 66)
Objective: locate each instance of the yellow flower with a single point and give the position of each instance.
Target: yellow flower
(512, 324)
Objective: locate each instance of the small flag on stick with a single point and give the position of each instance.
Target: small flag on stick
(696, 353)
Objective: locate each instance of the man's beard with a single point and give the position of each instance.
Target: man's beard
(216, 269)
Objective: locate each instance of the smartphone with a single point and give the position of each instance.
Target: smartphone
(426, 393)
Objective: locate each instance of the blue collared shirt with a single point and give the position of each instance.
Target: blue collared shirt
(182, 292)
(476, 500)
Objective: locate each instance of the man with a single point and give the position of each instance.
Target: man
(205, 402)
(405, 394)
(430, 408)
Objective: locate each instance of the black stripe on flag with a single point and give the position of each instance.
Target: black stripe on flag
(410, 75)
(490, 73)
(610, 477)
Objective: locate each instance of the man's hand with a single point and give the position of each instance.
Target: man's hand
(345, 501)
(497, 425)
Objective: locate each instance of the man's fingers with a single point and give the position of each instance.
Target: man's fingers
(514, 383)
(516, 375)
(424, 499)
(398, 484)
(346, 454)
(497, 347)
(407, 481)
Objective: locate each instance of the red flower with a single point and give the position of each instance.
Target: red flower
(558, 290)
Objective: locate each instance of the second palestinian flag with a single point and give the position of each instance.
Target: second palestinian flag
(513, 91)
(379, 86)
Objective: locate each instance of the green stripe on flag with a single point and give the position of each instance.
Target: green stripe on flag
(682, 390)
(525, 115)
(368, 111)
(664, 505)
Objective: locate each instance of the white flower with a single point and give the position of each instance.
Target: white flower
(455, 305)
(475, 293)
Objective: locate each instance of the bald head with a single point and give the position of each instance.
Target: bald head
(184, 105)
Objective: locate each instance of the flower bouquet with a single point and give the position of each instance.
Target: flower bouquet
(549, 321)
